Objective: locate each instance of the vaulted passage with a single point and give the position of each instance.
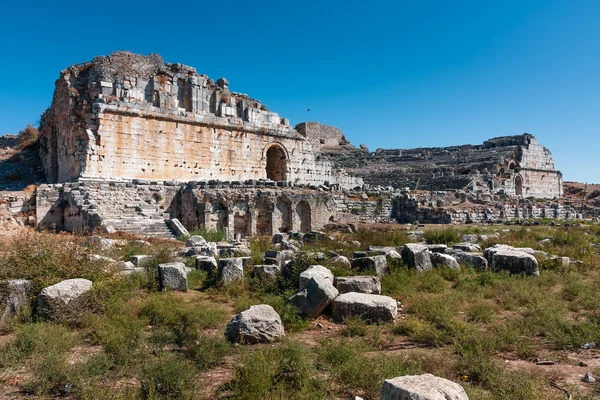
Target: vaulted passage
(285, 210)
(303, 213)
(276, 164)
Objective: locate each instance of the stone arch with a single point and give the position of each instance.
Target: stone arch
(519, 185)
(285, 211)
(264, 219)
(277, 162)
(303, 214)
(240, 219)
(220, 215)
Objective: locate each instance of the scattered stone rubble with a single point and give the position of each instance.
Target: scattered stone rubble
(258, 324)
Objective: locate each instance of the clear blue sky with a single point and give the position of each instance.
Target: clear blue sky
(392, 74)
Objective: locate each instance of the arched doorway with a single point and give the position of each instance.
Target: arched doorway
(220, 216)
(285, 210)
(276, 163)
(303, 213)
(519, 186)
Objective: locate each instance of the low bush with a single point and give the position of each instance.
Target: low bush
(168, 377)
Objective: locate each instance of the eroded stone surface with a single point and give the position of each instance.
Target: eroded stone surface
(315, 297)
(422, 387)
(258, 324)
(358, 284)
(417, 256)
(63, 300)
(370, 307)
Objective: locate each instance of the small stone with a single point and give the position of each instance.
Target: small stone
(589, 378)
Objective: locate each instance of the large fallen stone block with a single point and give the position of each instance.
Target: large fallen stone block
(467, 247)
(490, 251)
(258, 324)
(376, 263)
(63, 300)
(140, 260)
(417, 256)
(195, 241)
(314, 298)
(358, 284)
(473, 260)
(370, 307)
(514, 261)
(206, 263)
(341, 261)
(266, 271)
(172, 276)
(444, 260)
(231, 269)
(314, 270)
(422, 387)
(14, 297)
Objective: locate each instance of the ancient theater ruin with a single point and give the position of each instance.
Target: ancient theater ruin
(135, 144)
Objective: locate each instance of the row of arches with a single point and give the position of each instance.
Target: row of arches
(242, 218)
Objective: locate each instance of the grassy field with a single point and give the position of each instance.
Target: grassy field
(485, 330)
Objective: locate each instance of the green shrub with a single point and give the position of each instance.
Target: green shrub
(281, 372)
(179, 322)
(208, 235)
(167, 377)
(207, 351)
(443, 236)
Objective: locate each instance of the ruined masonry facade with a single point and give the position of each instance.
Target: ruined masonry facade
(128, 116)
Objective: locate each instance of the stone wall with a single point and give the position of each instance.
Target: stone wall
(513, 165)
(128, 116)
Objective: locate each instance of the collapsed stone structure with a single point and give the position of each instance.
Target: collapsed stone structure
(132, 143)
(512, 165)
(130, 116)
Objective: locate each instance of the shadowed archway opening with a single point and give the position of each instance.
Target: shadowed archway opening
(303, 213)
(276, 163)
(519, 186)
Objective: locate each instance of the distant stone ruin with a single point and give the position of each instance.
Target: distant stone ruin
(511, 165)
(132, 143)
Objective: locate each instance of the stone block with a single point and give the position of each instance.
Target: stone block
(359, 284)
(422, 387)
(314, 270)
(173, 276)
(258, 324)
(417, 256)
(64, 300)
(206, 263)
(231, 269)
(375, 263)
(314, 298)
(370, 307)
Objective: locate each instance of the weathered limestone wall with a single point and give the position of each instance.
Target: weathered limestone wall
(146, 145)
(321, 135)
(128, 116)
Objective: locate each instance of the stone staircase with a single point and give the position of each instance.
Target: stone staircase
(125, 209)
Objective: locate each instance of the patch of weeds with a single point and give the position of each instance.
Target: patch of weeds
(443, 236)
(168, 377)
(207, 351)
(208, 234)
(281, 372)
(178, 322)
